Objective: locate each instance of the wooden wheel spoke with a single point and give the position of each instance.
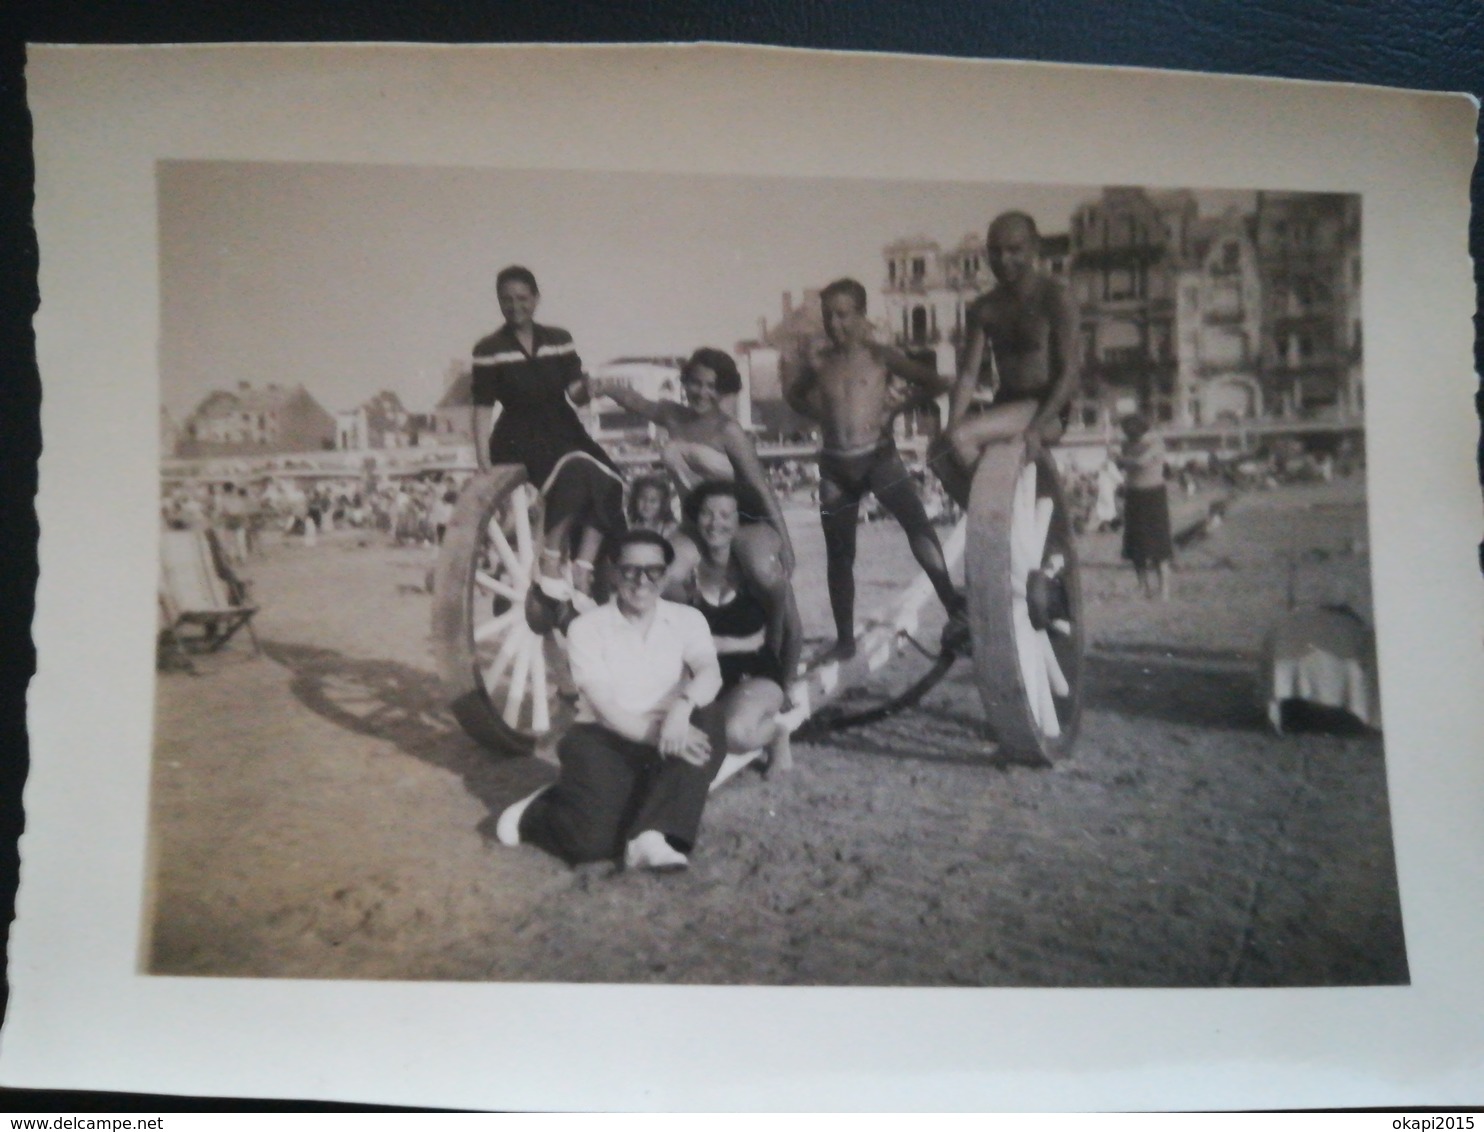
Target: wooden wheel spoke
(507, 554)
(489, 660)
(516, 693)
(495, 673)
(495, 585)
(1024, 553)
(525, 545)
(540, 693)
(1054, 673)
(492, 628)
(1045, 509)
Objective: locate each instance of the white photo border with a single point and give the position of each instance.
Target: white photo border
(83, 1015)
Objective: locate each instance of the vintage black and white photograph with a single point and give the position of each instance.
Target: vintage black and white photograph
(780, 579)
(584, 576)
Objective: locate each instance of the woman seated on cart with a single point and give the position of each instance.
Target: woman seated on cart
(705, 442)
(534, 374)
(754, 623)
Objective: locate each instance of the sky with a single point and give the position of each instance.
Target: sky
(353, 279)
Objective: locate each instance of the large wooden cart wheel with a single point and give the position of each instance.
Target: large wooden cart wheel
(504, 679)
(1025, 604)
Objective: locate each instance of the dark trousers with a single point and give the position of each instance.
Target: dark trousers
(843, 482)
(610, 789)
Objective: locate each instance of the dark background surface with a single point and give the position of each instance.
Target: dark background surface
(1427, 44)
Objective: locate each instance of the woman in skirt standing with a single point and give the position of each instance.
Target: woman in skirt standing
(1146, 507)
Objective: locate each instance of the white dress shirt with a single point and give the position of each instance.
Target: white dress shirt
(621, 669)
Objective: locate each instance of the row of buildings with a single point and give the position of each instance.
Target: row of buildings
(272, 419)
(1199, 320)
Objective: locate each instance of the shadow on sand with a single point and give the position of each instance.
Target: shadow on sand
(408, 708)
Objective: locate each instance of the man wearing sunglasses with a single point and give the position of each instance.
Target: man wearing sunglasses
(636, 767)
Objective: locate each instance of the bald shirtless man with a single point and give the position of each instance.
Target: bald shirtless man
(853, 388)
(1029, 324)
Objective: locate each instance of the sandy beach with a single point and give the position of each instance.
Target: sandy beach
(317, 814)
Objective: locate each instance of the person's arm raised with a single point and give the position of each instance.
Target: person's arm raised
(621, 394)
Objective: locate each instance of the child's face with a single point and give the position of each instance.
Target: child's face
(843, 320)
(650, 502)
(517, 303)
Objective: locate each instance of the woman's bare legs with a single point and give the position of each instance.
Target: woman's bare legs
(751, 713)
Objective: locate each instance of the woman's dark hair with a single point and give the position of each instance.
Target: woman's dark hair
(517, 274)
(1135, 425)
(719, 362)
(646, 483)
(615, 545)
(750, 507)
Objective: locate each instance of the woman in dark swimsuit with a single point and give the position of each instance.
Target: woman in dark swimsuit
(755, 625)
(534, 374)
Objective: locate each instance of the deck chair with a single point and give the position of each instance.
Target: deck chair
(199, 591)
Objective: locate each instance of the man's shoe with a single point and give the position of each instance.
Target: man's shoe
(651, 851)
(507, 827)
(958, 637)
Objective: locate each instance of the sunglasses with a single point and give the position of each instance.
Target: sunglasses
(633, 574)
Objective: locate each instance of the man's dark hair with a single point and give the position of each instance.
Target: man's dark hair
(719, 362)
(517, 274)
(1017, 217)
(849, 287)
(617, 543)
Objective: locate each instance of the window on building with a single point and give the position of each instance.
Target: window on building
(891, 271)
(919, 326)
(1120, 284)
(919, 268)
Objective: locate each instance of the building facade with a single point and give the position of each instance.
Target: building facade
(1218, 320)
(1308, 251)
(381, 422)
(251, 420)
(1126, 252)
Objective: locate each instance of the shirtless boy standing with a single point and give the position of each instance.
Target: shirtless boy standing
(847, 387)
(1030, 326)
